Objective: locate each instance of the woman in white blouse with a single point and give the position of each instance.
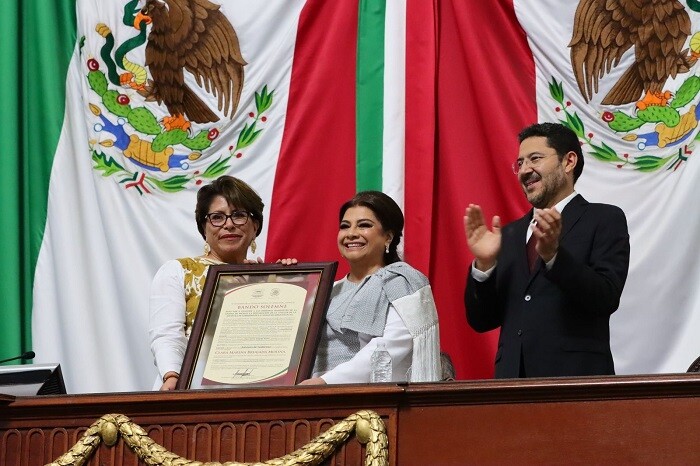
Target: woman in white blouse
(229, 218)
(381, 299)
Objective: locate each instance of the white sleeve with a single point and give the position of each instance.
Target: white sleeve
(166, 326)
(398, 342)
(480, 276)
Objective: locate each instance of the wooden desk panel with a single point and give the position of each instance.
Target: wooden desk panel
(242, 425)
(592, 420)
(568, 421)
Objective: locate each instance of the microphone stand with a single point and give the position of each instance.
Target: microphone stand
(27, 355)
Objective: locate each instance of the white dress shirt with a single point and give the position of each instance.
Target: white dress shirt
(399, 343)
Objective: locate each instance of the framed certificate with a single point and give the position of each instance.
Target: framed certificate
(257, 325)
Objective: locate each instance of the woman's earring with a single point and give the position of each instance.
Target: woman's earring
(386, 250)
(253, 247)
(207, 248)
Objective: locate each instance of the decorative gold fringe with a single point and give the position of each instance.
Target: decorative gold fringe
(367, 425)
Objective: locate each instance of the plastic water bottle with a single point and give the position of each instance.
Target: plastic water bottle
(380, 364)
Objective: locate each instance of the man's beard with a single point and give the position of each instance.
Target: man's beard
(551, 185)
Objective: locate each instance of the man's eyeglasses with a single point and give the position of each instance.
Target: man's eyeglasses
(534, 161)
(218, 219)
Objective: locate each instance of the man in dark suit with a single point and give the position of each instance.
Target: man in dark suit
(551, 279)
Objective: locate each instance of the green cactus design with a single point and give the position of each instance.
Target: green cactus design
(656, 114)
(198, 142)
(624, 122)
(687, 92)
(109, 99)
(98, 82)
(168, 138)
(142, 118)
(143, 121)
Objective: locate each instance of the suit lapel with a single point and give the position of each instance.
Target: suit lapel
(572, 214)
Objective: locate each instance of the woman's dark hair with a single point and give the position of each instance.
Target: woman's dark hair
(387, 212)
(236, 192)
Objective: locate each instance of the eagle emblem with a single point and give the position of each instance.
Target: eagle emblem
(191, 57)
(192, 36)
(654, 101)
(604, 30)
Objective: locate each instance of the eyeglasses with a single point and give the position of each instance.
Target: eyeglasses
(238, 217)
(534, 161)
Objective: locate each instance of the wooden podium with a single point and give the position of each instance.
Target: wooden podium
(588, 420)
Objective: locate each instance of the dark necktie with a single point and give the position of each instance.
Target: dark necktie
(531, 253)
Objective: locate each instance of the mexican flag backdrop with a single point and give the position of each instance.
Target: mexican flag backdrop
(421, 99)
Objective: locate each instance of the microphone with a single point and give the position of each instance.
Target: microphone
(27, 355)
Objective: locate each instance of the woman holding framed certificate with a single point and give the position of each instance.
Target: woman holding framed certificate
(382, 299)
(229, 218)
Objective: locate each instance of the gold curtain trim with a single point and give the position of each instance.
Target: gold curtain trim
(367, 425)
